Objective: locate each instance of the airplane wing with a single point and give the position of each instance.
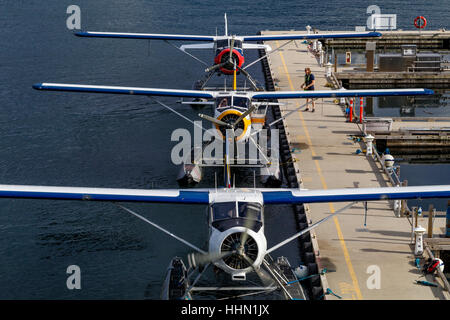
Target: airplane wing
(201, 196)
(297, 196)
(192, 196)
(312, 36)
(125, 90)
(150, 36)
(339, 93)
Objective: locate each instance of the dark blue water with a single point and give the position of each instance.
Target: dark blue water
(118, 141)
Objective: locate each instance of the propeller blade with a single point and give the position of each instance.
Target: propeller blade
(230, 58)
(200, 260)
(266, 279)
(249, 222)
(246, 113)
(214, 67)
(214, 120)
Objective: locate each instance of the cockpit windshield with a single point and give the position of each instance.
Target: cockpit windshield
(222, 43)
(249, 210)
(227, 210)
(223, 210)
(241, 102)
(227, 42)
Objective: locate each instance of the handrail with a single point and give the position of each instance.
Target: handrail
(439, 272)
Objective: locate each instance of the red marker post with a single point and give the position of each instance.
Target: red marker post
(350, 111)
(361, 109)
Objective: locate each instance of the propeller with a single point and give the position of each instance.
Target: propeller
(216, 121)
(225, 124)
(230, 58)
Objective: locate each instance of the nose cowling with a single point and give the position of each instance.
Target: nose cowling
(230, 116)
(243, 257)
(224, 57)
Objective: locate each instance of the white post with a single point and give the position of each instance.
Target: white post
(419, 231)
(308, 29)
(328, 69)
(369, 143)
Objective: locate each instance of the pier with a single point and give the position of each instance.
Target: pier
(360, 80)
(367, 256)
(424, 39)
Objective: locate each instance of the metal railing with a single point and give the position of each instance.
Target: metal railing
(393, 174)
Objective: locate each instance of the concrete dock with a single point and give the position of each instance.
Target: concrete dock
(375, 261)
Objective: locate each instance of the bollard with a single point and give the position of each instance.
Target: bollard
(308, 29)
(361, 109)
(350, 113)
(419, 231)
(369, 144)
(328, 69)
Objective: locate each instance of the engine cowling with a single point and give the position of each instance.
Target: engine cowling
(224, 57)
(243, 128)
(254, 249)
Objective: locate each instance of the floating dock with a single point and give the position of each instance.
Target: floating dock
(424, 39)
(361, 80)
(366, 257)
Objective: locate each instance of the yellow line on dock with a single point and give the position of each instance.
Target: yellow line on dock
(322, 178)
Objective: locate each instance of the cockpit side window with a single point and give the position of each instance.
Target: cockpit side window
(223, 210)
(250, 210)
(222, 102)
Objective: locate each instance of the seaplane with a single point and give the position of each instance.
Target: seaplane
(237, 246)
(229, 49)
(242, 114)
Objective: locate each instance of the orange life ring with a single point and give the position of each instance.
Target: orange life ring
(422, 24)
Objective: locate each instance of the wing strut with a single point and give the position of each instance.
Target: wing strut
(162, 229)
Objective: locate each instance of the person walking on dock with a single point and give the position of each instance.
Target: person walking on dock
(309, 85)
